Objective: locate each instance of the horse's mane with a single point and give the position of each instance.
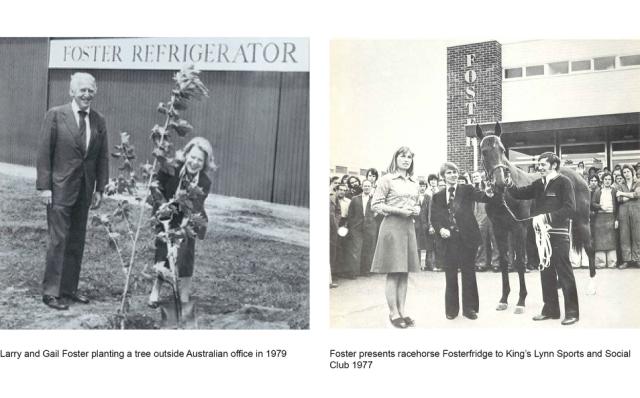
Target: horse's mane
(519, 176)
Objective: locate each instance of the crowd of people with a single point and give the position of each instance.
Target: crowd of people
(615, 215)
(369, 228)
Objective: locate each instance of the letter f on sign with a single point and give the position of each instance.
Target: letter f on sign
(471, 58)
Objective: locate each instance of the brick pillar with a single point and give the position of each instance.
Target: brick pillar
(474, 94)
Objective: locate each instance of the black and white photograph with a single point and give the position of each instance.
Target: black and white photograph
(154, 183)
(512, 163)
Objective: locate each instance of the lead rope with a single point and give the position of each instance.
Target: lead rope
(541, 229)
(543, 242)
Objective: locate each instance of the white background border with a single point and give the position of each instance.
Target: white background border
(306, 372)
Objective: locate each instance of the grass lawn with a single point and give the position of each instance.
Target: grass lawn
(247, 274)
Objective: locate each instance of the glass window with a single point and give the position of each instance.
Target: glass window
(577, 66)
(526, 158)
(593, 155)
(341, 169)
(625, 153)
(559, 68)
(629, 60)
(537, 70)
(604, 63)
(512, 72)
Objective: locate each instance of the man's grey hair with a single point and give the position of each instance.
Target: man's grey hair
(77, 77)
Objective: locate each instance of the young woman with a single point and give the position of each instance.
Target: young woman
(188, 171)
(618, 179)
(594, 182)
(629, 217)
(604, 223)
(372, 175)
(396, 197)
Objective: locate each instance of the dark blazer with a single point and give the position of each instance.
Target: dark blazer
(63, 160)
(359, 219)
(465, 196)
(355, 217)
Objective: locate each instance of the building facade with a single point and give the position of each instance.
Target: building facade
(579, 99)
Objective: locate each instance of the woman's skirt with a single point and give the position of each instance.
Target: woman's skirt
(396, 250)
(604, 233)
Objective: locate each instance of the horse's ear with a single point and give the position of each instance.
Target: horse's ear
(479, 132)
(498, 130)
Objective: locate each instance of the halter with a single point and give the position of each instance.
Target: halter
(490, 172)
(490, 182)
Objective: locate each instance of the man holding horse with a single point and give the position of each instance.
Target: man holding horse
(555, 204)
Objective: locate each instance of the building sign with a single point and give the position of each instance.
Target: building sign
(470, 78)
(474, 95)
(229, 54)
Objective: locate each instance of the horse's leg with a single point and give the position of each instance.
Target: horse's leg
(501, 233)
(519, 237)
(533, 261)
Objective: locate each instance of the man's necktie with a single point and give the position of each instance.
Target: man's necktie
(82, 127)
(452, 196)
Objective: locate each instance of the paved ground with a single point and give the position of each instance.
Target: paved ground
(360, 303)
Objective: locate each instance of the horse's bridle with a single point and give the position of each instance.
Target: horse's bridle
(493, 170)
(491, 183)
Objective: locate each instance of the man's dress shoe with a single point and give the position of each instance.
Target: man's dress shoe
(471, 315)
(54, 303)
(543, 317)
(78, 298)
(569, 320)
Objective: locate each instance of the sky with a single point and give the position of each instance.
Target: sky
(386, 94)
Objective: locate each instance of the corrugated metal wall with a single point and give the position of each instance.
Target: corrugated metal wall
(292, 157)
(23, 96)
(258, 122)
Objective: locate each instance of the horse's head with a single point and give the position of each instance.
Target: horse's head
(493, 155)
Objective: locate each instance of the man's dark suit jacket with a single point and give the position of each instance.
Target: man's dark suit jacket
(355, 216)
(362, 234)
(63, 159)
(465, 196)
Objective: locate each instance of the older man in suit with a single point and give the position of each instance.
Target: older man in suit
(73, 168)
(453, 219)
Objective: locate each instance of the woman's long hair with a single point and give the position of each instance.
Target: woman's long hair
(393, 167)
(633, 173)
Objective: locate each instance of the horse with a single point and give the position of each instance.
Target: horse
(508, 214)
(504, 225)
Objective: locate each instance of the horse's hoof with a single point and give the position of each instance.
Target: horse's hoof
(519, 309)
(501, 307)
